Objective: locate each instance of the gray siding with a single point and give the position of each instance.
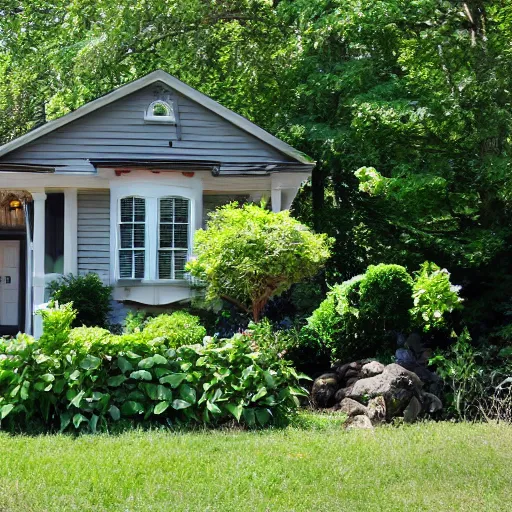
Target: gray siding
(118, 131)
(94, 233)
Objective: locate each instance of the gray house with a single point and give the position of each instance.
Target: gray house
(119, 186)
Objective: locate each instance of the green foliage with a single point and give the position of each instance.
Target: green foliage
(179, 328)
(434, 296)
(360, 317)
(476, 380)
(248, 255)
(134, 321)
(57, 321)
(90, 298)
(94, 379)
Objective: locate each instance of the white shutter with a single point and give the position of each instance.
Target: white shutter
(173, 237)
(132, 238)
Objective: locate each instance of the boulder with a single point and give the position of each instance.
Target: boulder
(396, 384)
(405, 357)
(341, 370)
(431, 403)
(351, 407)
(341, 394)
(324, 388)
(415, 344)
(371, 369)
(377, 410)
(359, 422)
(412, 411)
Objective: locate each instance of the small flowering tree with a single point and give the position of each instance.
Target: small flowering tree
(249, 254)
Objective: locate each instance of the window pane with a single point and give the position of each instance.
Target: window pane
(166, 209)
(125, 264)
(164, 264)
(139, 237)
(165, 236)
(181, 210)
(140, 209)
(126, 236)
(181, 235)
(139, 264)
(180, 259)
(127, 209)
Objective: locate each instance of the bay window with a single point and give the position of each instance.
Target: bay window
(153, 237)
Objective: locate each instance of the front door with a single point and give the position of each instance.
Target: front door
(9, 282)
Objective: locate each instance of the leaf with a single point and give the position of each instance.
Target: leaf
(174, 380)
(24, 390)
(116, 381)
(74, 375)
(47, 377)
(213, 408)
(90, 362)
(260, 394)
(93, 422)
(158, 359)
(161, 407)
(65, 420)
(5, 410)
(131, 407)
(297, 391)
(161, 372)
(114, 412)
(263, 416)
(146, 363)
(180, 404)
(141, 375)
(151, 390)
(269, 379)
(249, 417)
(78, 398)
(124, 365)
(77, 419)
(188, 393)
(235, 410)
(58, 387)
(164, 393)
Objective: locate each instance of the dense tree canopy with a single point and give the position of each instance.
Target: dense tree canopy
(415, 92)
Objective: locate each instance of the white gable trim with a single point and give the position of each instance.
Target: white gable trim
(178, 86)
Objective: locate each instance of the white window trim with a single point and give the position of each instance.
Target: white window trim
(187, 188)
(151, 118)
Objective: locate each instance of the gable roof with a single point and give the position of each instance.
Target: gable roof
(180, 87)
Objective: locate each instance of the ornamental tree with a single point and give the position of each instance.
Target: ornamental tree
(248, 254)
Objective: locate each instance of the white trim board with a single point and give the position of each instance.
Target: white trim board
(178, 86)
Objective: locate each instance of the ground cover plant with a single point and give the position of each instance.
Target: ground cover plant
(87, 378)
(426, 467)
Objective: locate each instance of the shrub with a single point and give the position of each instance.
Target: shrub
(434, 296)
(361, 317)
(90, 298)
(179, 328)
(95, 379)
(248, 255)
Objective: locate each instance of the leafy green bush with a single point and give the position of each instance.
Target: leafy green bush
(179, 328)
(360, 317)
(248, 255)
(95, 379)
(434, 296)
(90, 298)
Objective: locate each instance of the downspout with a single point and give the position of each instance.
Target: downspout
(29, 269)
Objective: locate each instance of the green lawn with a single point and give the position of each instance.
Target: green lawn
(438, 467)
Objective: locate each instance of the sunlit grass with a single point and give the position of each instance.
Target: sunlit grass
(314, 465)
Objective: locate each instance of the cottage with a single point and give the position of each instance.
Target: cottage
(119, 186)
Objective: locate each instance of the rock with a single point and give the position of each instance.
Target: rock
(412, 411)
(351, 407)
(431, 403)
(404, 357)
(341, 394)
(396, 384)
(324, 388)
(415, 344)
(371, 369)
(377, 410)
(359, 422)
(351, 373)
(352, 381)
(341, 370)
(425, 356)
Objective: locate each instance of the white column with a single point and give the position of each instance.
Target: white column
(70, 231)
(38, 282)
(276, 199)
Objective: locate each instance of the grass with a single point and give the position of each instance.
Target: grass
(312, 467)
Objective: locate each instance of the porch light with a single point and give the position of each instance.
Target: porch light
(15, 204)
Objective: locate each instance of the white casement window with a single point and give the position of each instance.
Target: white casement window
(132, 238)
(154, 237)
(173, 237)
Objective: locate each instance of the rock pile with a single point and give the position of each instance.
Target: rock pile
(370, 393)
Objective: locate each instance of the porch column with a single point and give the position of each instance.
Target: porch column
(70, 231)
(275, 193)
(39, 199)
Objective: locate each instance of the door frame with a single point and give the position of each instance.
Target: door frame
(6, 236)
